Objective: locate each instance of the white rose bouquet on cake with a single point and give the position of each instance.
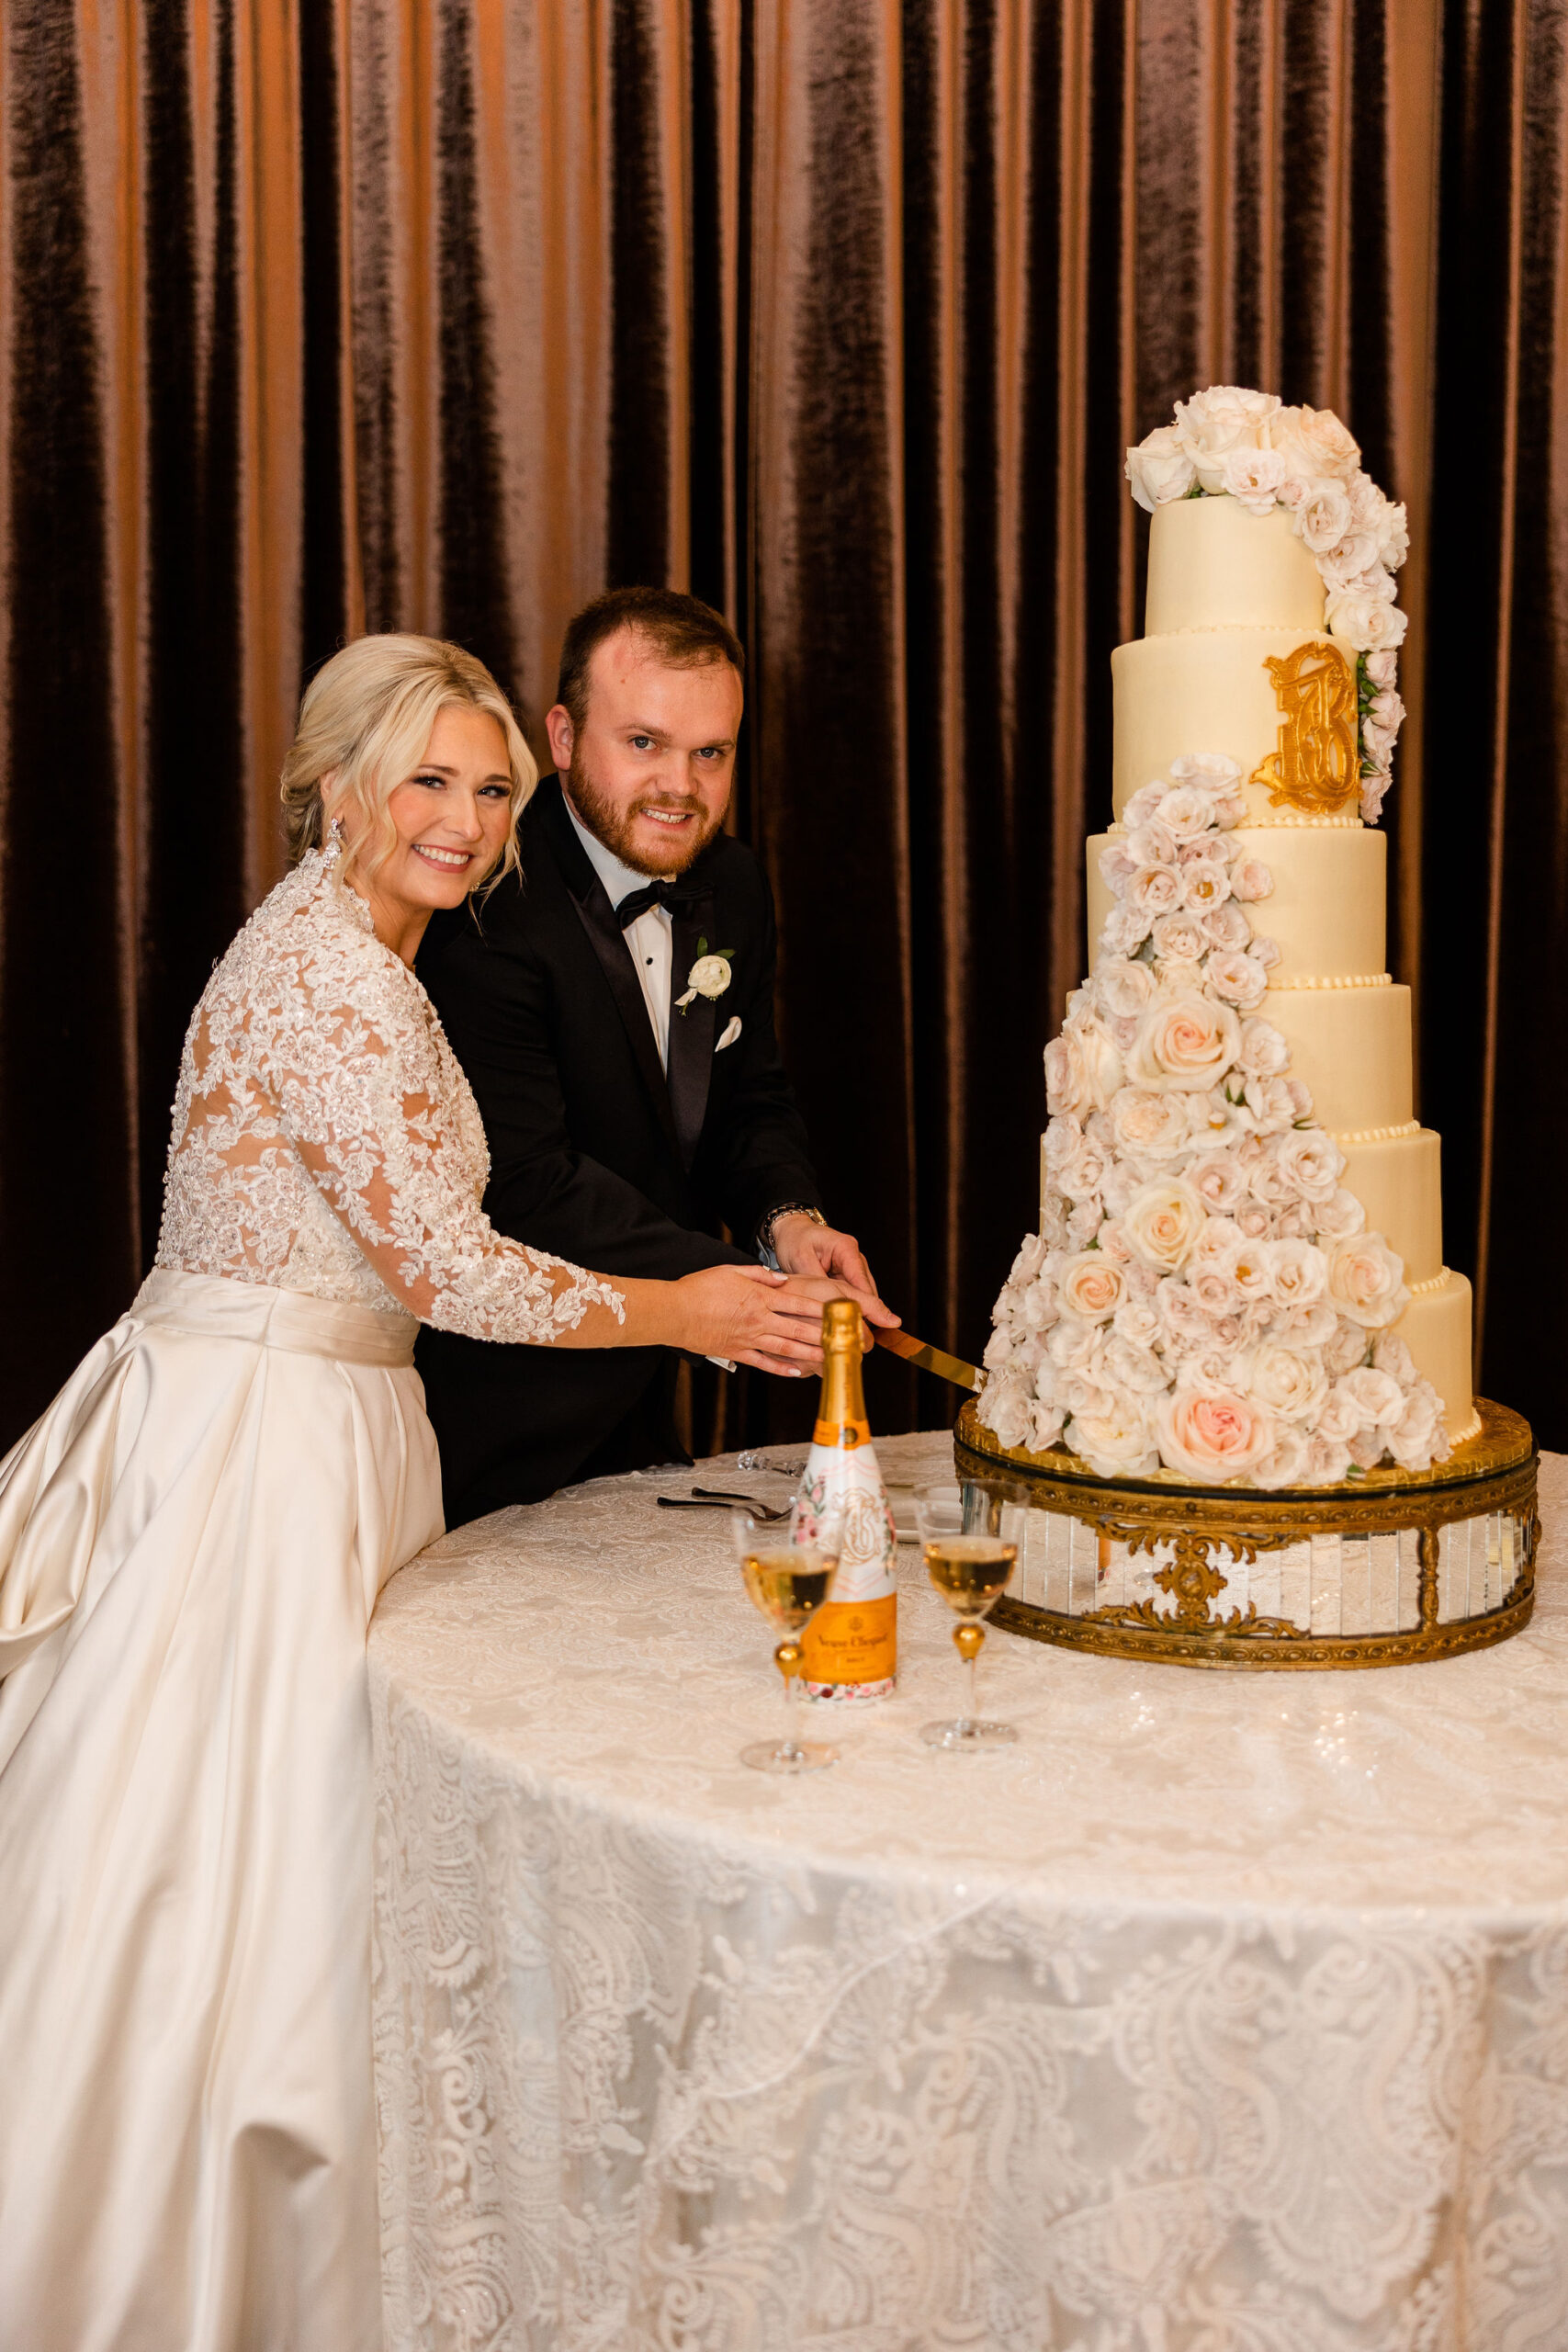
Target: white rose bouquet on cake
(1229, 443)
(1203, 1295)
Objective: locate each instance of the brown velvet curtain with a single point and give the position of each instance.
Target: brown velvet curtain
(317, 315)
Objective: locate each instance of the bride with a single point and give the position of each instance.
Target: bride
(192, 1540)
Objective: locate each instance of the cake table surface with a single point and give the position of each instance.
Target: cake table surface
(1222, 2011)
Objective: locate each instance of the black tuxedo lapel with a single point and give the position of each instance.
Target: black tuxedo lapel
(608, 941)
(691, 1031)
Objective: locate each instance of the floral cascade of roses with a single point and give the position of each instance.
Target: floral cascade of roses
(1230, 443)
(1202, 1294)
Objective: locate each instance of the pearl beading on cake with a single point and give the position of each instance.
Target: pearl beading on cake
(1335, 980)
(1439, 1281)
(1378, 1135)
(1280, 823)
(1241, 628)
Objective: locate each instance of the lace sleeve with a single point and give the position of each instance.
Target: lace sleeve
(351, 1063)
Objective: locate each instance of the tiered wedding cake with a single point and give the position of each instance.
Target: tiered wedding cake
(1238, 1272)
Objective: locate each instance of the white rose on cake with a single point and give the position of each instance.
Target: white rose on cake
(1261, 1051)
(1252, 476)
(1186, 811)
(1123, 986)
(1117, 1442)
(1366, 621)
(1346, 1346)
(1345, 562)
(1291, 1382)
(1178, 938)
(1312, 443)
(1323, 518)
(1160, 469)
(1213, 773)
(1186, 1042)
(1313, 1159)
(1219, 1180)
(1044, 1427)
(1205, 884)
(1288, 1464)
(1366, 1281)
(1091, 1285)
(1005, 1410)
(1213, 422)
(1083, 1069)
(1213, 1434)
(1301, 1274)
(1149, 1125)
(1150, 844)
(1226, 927)
(1162, 1223)
(1152, 891)
(1238, 978)
(1377, 1395)
(1418, 1436)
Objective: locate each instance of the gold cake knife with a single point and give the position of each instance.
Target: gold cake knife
(925, 1359)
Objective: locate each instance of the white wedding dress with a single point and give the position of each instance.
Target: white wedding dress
(192, 1541)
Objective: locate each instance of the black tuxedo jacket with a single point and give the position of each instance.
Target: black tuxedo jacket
(594, 1154)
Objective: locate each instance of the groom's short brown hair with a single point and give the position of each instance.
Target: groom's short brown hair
(683, 631)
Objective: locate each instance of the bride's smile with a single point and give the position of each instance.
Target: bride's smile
(451, 818)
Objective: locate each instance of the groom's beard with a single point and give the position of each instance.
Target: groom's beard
(612, 824)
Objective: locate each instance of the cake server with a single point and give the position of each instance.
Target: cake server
(925, 1359)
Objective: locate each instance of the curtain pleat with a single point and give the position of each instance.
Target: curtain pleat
(444, 314)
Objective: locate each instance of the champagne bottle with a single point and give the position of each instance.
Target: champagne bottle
(852, 1644)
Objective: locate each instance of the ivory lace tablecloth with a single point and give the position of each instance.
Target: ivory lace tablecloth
(1225, 2013)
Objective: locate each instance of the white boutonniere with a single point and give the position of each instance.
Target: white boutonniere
(709, 976)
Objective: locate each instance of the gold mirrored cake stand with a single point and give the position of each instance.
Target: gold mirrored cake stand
(1381, 1570)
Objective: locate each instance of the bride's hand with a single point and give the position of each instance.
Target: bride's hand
(751, 1316)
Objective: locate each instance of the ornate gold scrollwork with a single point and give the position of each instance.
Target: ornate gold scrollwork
(1317, 767)
(1493, 1476)
(1191, 1580)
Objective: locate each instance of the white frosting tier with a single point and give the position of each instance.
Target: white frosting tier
(1327, 913)
(1435, 1326)
(1212, 565)
(1399, 1182)
(1351, 1046)
(1209, 692)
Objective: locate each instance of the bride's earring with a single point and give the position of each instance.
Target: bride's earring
(335, 833)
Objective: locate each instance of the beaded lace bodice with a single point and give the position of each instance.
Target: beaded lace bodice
(326, 1141)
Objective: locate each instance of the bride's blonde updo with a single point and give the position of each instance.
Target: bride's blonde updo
(364, 725)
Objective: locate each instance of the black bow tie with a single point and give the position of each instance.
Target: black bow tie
(667, 891)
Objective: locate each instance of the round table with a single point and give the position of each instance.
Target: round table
(1224, 2013)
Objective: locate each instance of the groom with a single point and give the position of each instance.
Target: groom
(611, 1004)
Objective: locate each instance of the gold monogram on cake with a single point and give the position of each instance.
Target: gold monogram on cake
(1317, 767)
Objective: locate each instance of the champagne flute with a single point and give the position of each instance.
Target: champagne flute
(970, 1534)
(788, 1579)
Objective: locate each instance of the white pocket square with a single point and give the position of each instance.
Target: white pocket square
(730, 1034)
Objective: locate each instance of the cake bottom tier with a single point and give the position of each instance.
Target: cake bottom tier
(1435, 1326)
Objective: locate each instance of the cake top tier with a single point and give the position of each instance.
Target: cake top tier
(1214, 565)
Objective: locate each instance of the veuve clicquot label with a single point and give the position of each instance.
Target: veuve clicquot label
(852, 1644)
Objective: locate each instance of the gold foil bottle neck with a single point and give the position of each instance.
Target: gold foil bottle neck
(841, 1326)
(840, 1416)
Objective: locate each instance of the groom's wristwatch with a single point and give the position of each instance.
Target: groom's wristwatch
(765, 1249)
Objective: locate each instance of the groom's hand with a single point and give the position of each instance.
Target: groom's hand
(803, 1247)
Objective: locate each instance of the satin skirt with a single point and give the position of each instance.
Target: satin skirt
(192, 1541)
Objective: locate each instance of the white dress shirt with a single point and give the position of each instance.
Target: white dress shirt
(650, 938)
(652, 941)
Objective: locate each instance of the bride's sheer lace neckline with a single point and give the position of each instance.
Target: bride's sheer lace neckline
(326, 1141)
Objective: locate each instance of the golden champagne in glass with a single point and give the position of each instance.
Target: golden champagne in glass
(969, 1534)
(788, 1581)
